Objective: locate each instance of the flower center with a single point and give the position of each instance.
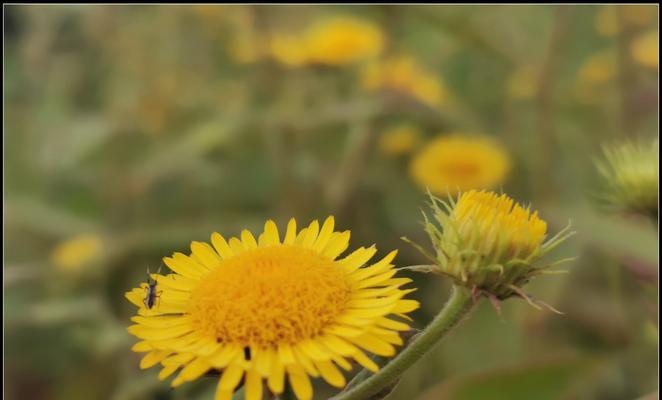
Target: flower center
(270, 295)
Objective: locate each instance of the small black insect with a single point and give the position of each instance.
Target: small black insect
(152, 294)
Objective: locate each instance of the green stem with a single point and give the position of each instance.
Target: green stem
(458, 305)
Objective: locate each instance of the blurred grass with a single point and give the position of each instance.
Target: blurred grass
(135, 123)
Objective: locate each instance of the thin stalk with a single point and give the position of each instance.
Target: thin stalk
(458, 306)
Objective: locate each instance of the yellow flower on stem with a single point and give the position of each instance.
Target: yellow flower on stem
(451, 163)
(490, 244)
(271, 309)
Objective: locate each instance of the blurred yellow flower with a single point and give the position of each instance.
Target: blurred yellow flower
(399, 140)
(608, 20)
(629, 176)
(74, 253)
(451, 163)
(288, 49)
(268, 309)
(523, 83)
(599, 68)
(645, 49)
(405, 75)
(342, 40)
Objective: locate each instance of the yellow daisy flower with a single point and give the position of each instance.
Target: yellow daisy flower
(451, 163)
(598, 68)
(645, 49)
(342, 41)
(399, 140)
(609, 20)
(523, 83)
(404, 74)
(270, 309)
(74, 253)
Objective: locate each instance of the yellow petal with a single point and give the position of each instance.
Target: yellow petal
(205, 254)
(194, 370)
(357, 258)
(231, 377)
(291, 233)
(286, 355)
(222, 394)
(390, 324)
(305, 361)
(330, 373)
(324, 235)
(405, 306)
(263, 360)
(337, 244)
(153, 358)
(338, 345)
(271, 233)
(311, 234)
(182, 265)
(365, 361)
(223, 356)
(248, 239)
(221, 246)
(374, 345)
(236, 246)
(300, 382)
(378, 280)
(377, 268)
(142, 347)
(167, 371)
(276, 381)
(253, 386)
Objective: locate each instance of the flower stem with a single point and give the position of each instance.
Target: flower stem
(458, 305)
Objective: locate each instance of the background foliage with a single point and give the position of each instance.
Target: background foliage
(133, 130)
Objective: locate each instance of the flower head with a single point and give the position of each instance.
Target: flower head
(523, 83)
(271, 309)
(452, 163)
(404, 75)
(342, 41)
(399, 140)
(74, 253)
(489, 243)
(645, 49)
(629, 176)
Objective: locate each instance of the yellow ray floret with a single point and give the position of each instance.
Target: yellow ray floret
(276, 309)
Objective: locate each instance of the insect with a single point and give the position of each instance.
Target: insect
(152, 294)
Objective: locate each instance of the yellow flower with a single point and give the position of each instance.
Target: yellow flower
(399, 140)
(608, 20)
(489, 243)
(451, 163)
(288, 50)
(342, 41)
(271, 308)
(645, 49)
(629, 176)
(74, 253)
(405, 75)
(599, 68)
(523, 83)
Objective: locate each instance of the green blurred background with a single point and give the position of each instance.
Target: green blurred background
(133, 130)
